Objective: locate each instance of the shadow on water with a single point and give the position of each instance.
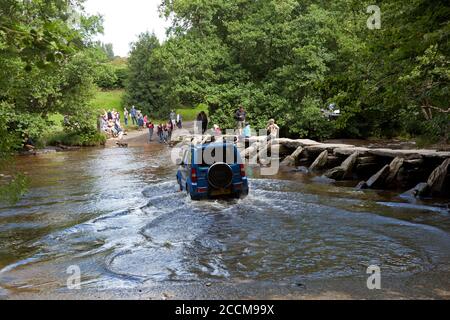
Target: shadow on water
(117, 214)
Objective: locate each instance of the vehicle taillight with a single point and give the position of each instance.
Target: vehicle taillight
(243, 174)
(194, 175)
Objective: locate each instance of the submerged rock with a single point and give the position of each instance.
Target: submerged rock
(394, 168)
(362, 185)
(379, 179)
(320, 162)
(439, 181)
(288, 162)
(345, 170)
(421, 190)
(302, 170)
(291, 160)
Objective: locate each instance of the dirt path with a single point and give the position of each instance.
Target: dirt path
(141, 138)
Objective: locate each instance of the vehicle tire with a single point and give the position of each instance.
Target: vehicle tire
(220, 175)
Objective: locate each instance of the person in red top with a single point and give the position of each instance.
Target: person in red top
(151, 129)
(170, 128)
(160, 133)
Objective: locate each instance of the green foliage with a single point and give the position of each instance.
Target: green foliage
(145, 85)
(111, 73)
(107, 100)
(289, 59)
(12, 184)
(191, 114)
(309, 121)
(107, 77)
(86, 139)
(108, 49)
(48, 65)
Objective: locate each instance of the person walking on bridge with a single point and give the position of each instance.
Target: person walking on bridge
(273, 130)
(240, 118)
(202, 121)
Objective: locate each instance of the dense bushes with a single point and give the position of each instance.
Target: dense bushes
(289, 59)
(91, 139)
(48, 65)
(110, 76)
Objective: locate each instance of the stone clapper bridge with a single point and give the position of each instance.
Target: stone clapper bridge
(425, 173)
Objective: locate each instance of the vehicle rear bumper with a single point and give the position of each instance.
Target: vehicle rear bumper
(237, 190)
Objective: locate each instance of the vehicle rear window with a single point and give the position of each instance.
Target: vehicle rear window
(214, 154)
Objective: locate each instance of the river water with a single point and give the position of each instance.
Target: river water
(116, 215)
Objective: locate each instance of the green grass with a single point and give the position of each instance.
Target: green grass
(108, 100)
(103, 100)
(191, 114)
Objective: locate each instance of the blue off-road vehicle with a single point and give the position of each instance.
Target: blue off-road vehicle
(212, 170)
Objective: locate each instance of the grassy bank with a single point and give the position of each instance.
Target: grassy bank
(191, 114)
(103, 100)
(108, 100)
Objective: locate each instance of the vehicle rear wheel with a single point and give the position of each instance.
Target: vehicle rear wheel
(220, 176)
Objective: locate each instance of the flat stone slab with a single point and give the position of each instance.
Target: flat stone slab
(417, 153)
(294, 144)
(329, 147)
(349, 151)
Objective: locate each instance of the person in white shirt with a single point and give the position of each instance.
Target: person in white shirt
(273, 130)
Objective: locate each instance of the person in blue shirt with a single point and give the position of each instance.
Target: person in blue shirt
(133, 114)
(247, 134)
(247, 130)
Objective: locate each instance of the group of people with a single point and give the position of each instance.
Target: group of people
(243, 127)
(109, 122)
(137, 118)
(164, 130)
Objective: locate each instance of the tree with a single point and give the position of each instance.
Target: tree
(46, 66)
(146, 77)
(289, 59)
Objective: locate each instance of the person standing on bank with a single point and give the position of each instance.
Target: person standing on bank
(240, 117)
(202, 122)
(125, 116)
(173, 117)
(151, 129)
(133, 114)
(179, 121)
